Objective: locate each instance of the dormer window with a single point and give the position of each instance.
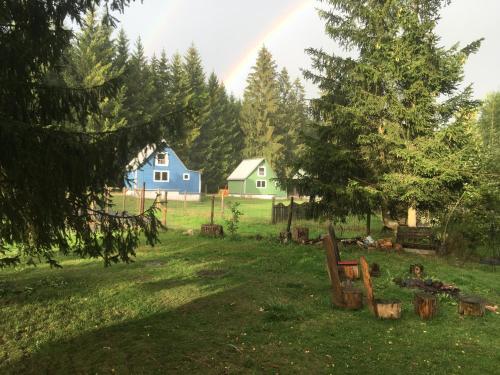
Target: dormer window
(162, 158)
(261, 172)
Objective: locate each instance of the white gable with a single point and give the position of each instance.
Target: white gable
(245, 169)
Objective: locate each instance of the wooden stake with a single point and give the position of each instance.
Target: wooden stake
(222, 202)
(273, 214)
(212, 211)
(290, 214)
(124, 192)
(164, 208)
(331, 263)
(143, 197)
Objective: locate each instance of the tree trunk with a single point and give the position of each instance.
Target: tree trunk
(471, 305)
(353, 298)
(425, 305)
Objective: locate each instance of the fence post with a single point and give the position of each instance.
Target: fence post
(212, 211)
(164, 208)
(124, 192)
(290, 214)
(273, 213)
(368, 222)
(222, 202)
(143, 197)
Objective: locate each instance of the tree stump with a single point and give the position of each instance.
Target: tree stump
(300, 234)
(353, 298)
(471, 305)
(387, 309)
(349, 270)
(417, 269)
(212, 230)
(425, 305)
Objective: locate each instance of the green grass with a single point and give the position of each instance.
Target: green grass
(255, 220)
(209, 306)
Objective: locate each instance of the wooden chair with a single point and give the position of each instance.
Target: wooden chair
(384, 309)
(349, 297)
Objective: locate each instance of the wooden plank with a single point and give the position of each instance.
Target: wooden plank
(331, 263)
(367, 281)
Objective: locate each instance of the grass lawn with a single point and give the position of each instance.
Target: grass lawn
(256, 218)
(209, 306)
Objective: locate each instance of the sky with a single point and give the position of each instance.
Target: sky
(229, 33)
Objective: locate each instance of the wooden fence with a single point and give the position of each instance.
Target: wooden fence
(304, 211)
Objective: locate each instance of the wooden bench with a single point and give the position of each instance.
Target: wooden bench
(417, 238)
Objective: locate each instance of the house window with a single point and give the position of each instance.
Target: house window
(162, 158)
(261, 172)
(261, 183)
(161, 176)
(186, 176)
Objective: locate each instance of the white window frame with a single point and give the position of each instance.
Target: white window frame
(186, 176)
(160, 171)
(166, 159)
(260, 187)
(258, 171)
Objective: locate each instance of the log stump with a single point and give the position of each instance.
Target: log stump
(353, 298)
(417, 270)
(300, 234)
(212, 230)
(425, 305)
(471, 305)
(348, 270)
(387, 309)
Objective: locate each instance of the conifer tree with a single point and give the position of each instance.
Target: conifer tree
(178, 102)
(197, 96)
(91, 63)
(260, 110)
(218, 147)
(382, 113)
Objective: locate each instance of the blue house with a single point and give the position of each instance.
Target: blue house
(161, 170)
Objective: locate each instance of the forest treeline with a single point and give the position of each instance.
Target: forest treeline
(208, 127)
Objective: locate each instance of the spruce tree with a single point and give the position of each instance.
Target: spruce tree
(260, 110)
(91, 63)
(178, 103)
(197, 106)
(53, 180)
(382, 110)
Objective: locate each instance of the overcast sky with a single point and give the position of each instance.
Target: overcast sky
(228, 34)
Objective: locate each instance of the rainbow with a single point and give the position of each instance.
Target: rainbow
(242, 66)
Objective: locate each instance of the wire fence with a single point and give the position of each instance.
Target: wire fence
(256, 218)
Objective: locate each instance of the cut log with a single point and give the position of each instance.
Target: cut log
(353, 298)
(300, 234)
(387, 309)
(212, 230)
(417, 269)
(348, 270)
(425, 305)
(331, 263)
(471, 305)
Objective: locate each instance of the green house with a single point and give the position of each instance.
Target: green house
(254, 178)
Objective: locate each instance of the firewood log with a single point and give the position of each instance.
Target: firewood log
(425, 305)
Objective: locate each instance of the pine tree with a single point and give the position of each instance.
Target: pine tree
(260, 108)
(380, 112)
